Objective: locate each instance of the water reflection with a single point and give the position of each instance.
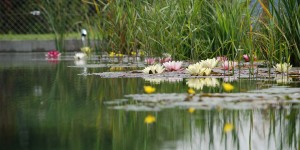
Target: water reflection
(199, 83)
(283, 79)
(52, 107)
(160, 80)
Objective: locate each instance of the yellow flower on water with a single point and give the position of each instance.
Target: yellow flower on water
(149, 89)
(86, 50)
(116, 69)
(119, 55)
(191, 110)
(112, 54)
(149, 119)
(142, 53)
(228, 87)
(191, 91)
(133, 53)
(228, 127)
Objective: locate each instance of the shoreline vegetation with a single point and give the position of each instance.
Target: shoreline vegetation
(188, 30)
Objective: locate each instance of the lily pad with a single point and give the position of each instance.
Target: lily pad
(274, 97)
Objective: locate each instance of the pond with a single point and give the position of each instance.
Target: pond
(58, 104)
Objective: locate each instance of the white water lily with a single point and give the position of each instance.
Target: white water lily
(198, 69)
(194, 69)
(173, 65)
(209, 63)
(79, 56)
(154, 69)
(283, 67)
(205, 71)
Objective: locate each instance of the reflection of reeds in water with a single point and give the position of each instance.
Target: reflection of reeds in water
(282, 79)
(160, 80)
(199, 83)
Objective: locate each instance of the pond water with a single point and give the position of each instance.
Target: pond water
(60, 105)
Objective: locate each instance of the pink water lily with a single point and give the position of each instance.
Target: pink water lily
(163, 60)
(229, 65)
(166, 58)
(246, 58)
(222, 58)
(150, 61)
(53, 54)
(172, 65)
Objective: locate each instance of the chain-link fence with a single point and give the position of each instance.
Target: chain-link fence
(20, 19)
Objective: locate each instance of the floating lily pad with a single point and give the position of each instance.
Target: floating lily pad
(274, 97)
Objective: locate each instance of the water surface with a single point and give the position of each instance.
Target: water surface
(56, 105)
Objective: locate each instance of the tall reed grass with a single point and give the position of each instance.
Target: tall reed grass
(194, 29)
(62, 17)
(191, 29)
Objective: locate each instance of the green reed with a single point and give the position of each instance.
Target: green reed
(198, 29)
(279, 31)
(62, 17)
(287, 15)
(186, 29)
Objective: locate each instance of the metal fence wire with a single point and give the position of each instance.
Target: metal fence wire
(41, 16)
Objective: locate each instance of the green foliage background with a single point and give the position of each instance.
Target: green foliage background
(189, 30)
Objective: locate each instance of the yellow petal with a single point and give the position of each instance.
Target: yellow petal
(149, 119)
(228, 87)
(149, 89)
(112, 54)
(191, 91)
(191, 110)
(228, 127)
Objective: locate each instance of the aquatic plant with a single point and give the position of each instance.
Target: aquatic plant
(282, 79)
(227, 87)
(166, 58)
(119, 55)
(59, 18)
(191, 91)
(222, 58)
(149, 119)
(150, 61)
(112, 54)
(53, 54)
(283, 67)
(154, 69)
(149, 89)
(209, 63)
(159, 80)
(200, 83)
(172, 65)
(154, 80)
(284, 18)
(191, 110)
(116, 68)
(229, 65)
(228, 127)
(87, 50)
(79, 56)
(246, 58)
(197, 70)
(80, 62)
